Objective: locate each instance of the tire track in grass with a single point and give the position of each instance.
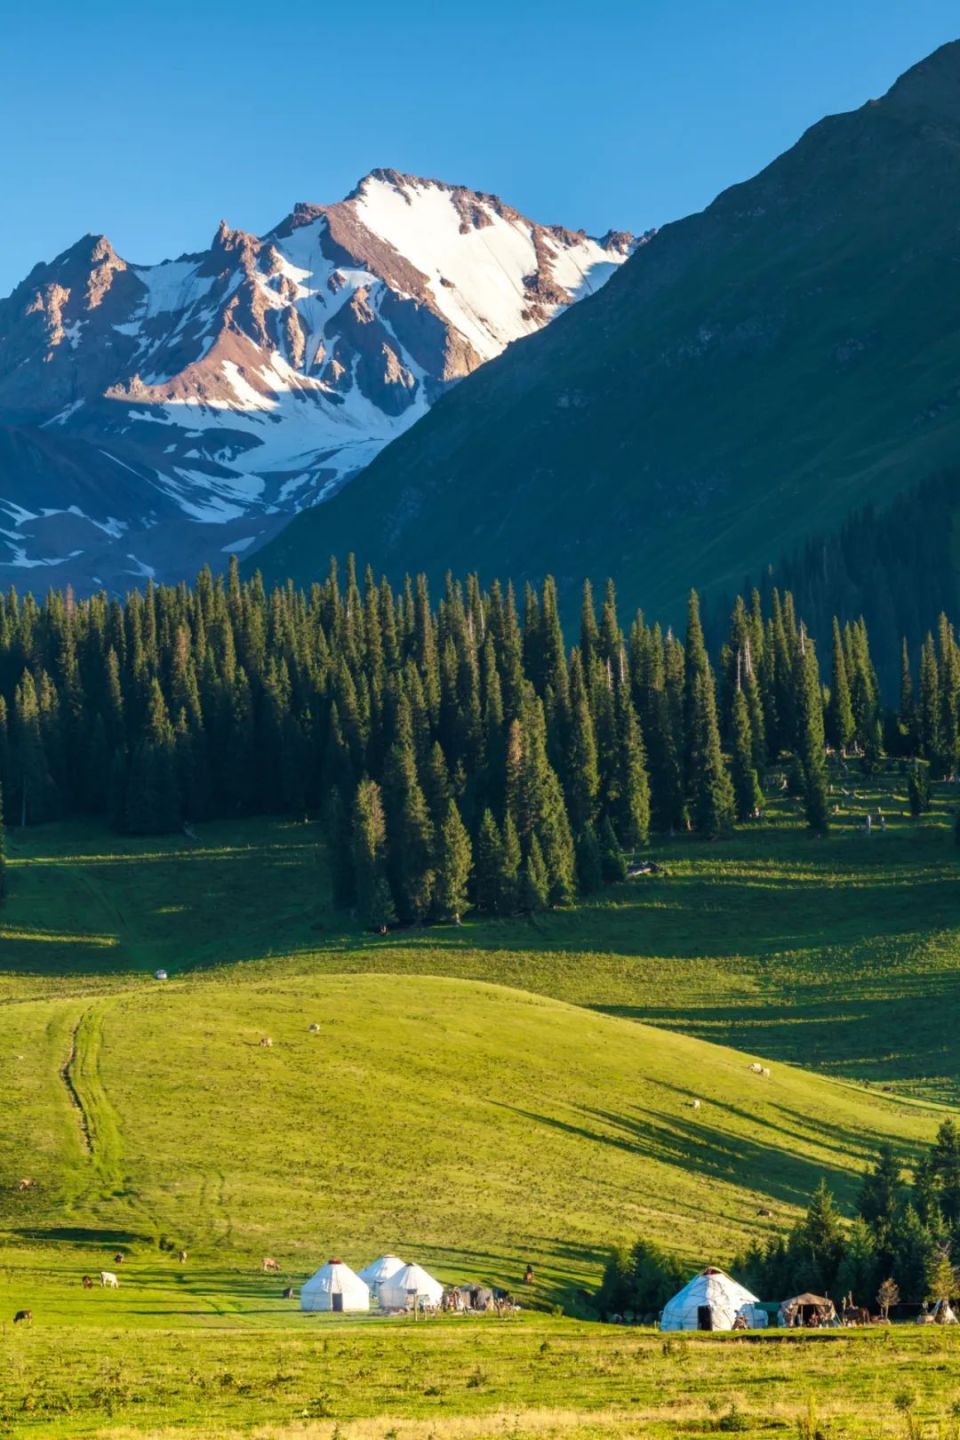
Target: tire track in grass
(67, 1076)
(99, 1122)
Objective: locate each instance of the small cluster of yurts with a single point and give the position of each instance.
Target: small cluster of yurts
(392, 1284)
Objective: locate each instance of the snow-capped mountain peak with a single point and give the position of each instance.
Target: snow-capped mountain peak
(231, 387)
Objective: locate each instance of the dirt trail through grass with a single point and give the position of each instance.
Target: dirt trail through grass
(67, 1070)
(98, 1119)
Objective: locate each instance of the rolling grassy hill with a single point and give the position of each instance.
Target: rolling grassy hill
(839, 955)
(476, 1097)
(468, 1124)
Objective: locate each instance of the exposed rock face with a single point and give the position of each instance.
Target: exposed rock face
(234, 386)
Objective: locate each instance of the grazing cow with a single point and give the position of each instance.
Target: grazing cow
(109, 1281)
(314, 1028)
(23, 1316)
(182, 1257)
(755, 1067)
(288, 1293)
(265, 1041)
(694, 1104)
(765, 1211)
(87, 1282)
(765, 1072)
(27, 1183)
(118, 1258)
(269, 1264)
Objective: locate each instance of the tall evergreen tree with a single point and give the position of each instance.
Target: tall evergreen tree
(453, 864)
(840, 721)
(748, 797)
(374, 900)
(152, 802)
(712, 799)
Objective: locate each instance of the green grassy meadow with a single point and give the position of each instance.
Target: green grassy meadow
(475, 1097)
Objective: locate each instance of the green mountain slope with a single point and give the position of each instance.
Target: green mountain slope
(752, 375)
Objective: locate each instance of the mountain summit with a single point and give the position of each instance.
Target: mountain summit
(751, 376)
(153, 417)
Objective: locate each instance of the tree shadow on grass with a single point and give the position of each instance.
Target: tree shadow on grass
(681, 1144)
(834, 1022)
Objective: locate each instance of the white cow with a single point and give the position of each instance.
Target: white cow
(108, 1280)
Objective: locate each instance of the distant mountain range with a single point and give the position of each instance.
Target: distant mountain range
(752, 376)
(157, 417)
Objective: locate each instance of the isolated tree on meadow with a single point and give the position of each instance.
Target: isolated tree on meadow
(888, 1295)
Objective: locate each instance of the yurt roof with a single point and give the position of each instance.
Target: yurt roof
(383, 1268)
(822, 1301)
(334, 1272)
(411, 1277)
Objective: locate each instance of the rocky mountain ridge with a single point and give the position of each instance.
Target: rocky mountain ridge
(155, 417)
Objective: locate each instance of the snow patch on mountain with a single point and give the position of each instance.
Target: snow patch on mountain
(250, 380)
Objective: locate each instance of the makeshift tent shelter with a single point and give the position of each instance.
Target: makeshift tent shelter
(379, 1270)
(335, 1287)
(409, 1289)
(712, 1301)
(943, 1314)
(807, 1309)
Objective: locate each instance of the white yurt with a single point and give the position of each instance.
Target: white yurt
(335, 1287)
(380, 1270)
(408, 1286)
(711, 1301)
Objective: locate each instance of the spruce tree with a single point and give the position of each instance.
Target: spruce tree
(152, 802)
(928, 705)
(907, 713)
(858, 1273)
(629, 798)
(589, 862)
(945, 1166)
(534, 892)
(809, 733)
(582, 779)
(712, 800)
(882, 1189)
(339, 850)
(453, 864)
(613, 865)
(374, 900)
(840, 721)
(487, 870)
(748, 796)
(508, 869)
(918, 788)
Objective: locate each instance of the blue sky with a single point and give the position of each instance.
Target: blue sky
(149, 123)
